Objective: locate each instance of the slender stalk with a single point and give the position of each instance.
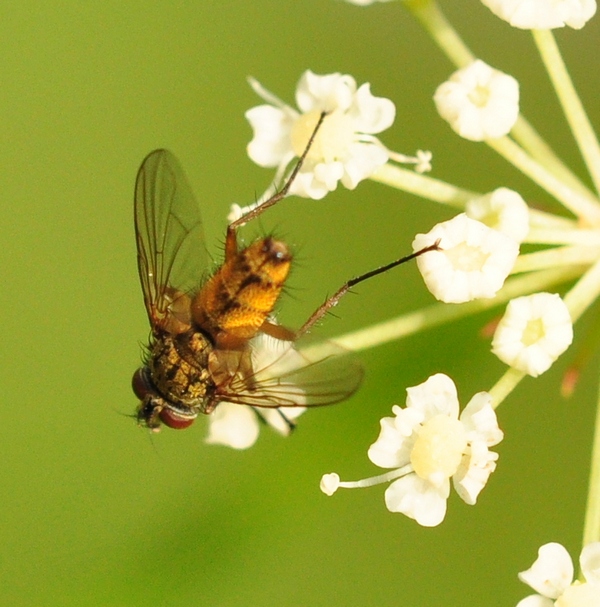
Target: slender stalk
(585, 207)
(584, 293)
(505, 385)
(446, 37)
(423, 186)
(590, 238)
(591, 526)
(554, 257)
(541, 219)
(531, 141)
(575, 114)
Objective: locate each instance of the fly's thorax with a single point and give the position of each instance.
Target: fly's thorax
(178, 368)
(239, 297)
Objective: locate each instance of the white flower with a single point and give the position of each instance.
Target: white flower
(503, 210)
(344, 150)
(479, 102)
(426, 444)
(473, 261)
(238, 426)
(534, 331)
(552, 577)
(543, 14)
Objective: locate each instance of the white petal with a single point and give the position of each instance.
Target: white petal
(543, 14)
(271, 142)
(479, 102)
(535, 600)
(437, 395)
(232, 425)
(503, 210)
(534, 331)
(473, 262)
(590, 562)
(418, 499)
(328, 92)
(480, 420)
(362, 161)
(371, 114)
(474, 471)
(407, 419)
(328, 174)
(391, 449)
(307, 186)
(551, 573)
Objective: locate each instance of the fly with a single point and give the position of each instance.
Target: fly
(207, 331)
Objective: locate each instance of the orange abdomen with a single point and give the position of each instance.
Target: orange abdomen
(235, 302)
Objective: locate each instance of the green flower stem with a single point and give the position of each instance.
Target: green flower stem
(434, 21)
(438, 314)
(541, 219)
(590, 238)
(574, 112)
(584, 293)
(581, 206)
(527, 137)
(420, 185)
(591, 526)
(505, 385)
(557, 256)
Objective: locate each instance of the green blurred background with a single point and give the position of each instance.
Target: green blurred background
(93, 510)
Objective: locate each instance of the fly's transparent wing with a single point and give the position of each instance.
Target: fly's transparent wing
(283, 376)
(172, 256)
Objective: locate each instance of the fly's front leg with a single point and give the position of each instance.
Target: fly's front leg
(281, 194)
(333, 301)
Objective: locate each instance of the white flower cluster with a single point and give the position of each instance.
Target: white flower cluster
(427, 446)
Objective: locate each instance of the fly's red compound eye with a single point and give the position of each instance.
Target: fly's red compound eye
(174, 420)
(139, 384)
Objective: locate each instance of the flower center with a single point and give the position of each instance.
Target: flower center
(466, 258)
(534, 331)
(439, 448)
(479, 96)
(332, 141)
